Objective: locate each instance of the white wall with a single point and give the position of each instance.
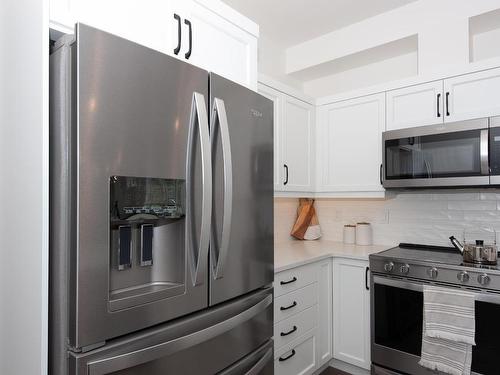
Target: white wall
(24, 186)
(271, 62)
(427, 217)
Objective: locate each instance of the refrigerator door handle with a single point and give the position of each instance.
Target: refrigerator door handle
(151, 353)
(219, 113)
(199, 112)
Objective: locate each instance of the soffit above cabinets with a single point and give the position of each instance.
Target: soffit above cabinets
(290, 22)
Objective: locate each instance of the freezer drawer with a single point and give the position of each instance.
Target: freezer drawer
(231, 337)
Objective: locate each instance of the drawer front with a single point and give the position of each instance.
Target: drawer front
(295, 326)
(294, 302)
(295, 278)
(297, 358)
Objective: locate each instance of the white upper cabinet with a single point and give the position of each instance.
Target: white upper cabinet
(296, 146)
(220, 45)
(415, 106)
(149, 22)
(472, 95)
(350, 142)
(208, 34)
(351, 312)
(277, 99)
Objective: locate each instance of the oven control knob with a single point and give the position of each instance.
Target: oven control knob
(388, 267)
(483, 279)
(432, 272)
(405, 268)
(463, 277)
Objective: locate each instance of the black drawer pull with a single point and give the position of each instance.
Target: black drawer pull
(289, 281)
(289, 332)
(281, 359)
(289, 307)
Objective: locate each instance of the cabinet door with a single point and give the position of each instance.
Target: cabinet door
(415, 106)
(325, 294)
(277, 98)
(149, 22)
(351, 312)
(296, 145)
(472, 95)
(220, 46)
(350, 141)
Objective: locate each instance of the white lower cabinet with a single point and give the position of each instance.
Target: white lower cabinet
(297, 358)
(351, 312)
(302, 318)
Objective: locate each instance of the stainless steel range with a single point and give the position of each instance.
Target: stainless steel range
(397, 279)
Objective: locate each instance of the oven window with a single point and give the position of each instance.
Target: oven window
(398, 318)
(434, 156)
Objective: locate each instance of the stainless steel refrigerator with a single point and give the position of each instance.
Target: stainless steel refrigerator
(161, 214)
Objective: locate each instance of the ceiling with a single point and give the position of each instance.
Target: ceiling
(289, 22)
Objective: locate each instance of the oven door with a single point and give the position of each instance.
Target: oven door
(396, 325)
(438, 155)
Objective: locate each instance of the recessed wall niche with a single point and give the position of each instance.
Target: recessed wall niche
(484, 36)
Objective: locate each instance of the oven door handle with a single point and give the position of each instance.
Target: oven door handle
(488, 297)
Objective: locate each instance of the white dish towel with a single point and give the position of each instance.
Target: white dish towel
(448, 330)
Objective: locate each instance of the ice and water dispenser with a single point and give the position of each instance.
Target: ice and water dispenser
(147, 227)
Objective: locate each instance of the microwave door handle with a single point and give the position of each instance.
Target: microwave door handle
(219, 114)
(199, 112)
(483, 150)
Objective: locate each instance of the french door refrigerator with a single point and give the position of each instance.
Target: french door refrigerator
(161, 214)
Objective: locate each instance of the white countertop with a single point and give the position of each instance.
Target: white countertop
(293, 253)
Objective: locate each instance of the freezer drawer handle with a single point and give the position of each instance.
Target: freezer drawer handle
(289, 307)
(256, 369)
(294, 279)
(289, 332)
(282, 359)
(218, 258)
(199, 113)
(151, 353)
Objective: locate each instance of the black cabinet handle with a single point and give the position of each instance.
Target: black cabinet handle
(447, 106)
(438, 98)
(281, 359)
(179, 31)
(190, 37)
(366, 278)
(381, 174)
(288, 307)
(286, 174)
(289, 281)
(289, 332)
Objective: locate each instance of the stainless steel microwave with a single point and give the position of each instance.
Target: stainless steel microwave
(465, 153)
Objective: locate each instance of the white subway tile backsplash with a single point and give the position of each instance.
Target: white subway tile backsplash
(472, 205)
(429, 216)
